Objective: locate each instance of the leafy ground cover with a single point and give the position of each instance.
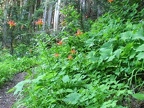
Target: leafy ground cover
(101, 68)
(10, 65)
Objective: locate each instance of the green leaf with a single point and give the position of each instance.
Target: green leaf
(72, 98)
(126, 35)
(108, 44)
(105, 53)
(109, 104)
(91, 56)
(111, 58)
(117, 52)
(140, 48)
(38, 78)
(90, 42)
(138, 35)
(140, 56)
(139, 96)
(19, 86)
(65, 79)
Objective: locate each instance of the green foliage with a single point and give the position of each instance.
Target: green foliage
(72, 19)
(95, 69)
(139, 96)
(107, 60)
(127, 10)
(10, 65)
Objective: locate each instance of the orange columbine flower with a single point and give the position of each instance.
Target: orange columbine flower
(56, 55)
(60, 43)
(110, 1)
(11, 23)
(73, 51)
(39, 22)
(70, 57)
(79, 32)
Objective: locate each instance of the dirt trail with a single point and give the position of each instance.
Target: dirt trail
(7, 99)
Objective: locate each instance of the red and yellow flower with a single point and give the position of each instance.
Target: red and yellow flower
(11, 23)
(59, 43)
(78, 33)
(110, 1)
(73, 51)
(39, 22)
(70, 57)
(56, 55)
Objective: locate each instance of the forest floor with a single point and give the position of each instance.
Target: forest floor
(8, 99)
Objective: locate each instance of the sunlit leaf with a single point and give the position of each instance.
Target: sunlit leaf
(139, 35)
(140, 56)
(140, 48)
(19, 86)
(72, 98)
(65, 79)
(139, 96)
(105, 53)
(126, 35)
(117, 52)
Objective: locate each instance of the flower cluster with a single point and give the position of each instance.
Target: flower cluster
(70, 57)
(11, 23)
(78, 33)
(72, 52)
(39, 22)
(110, 1)
(56, 55)
(60, 43)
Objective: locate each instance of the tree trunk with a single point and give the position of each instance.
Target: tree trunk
(45, 14)
(4, 38)
(49, 15)
(56, 15)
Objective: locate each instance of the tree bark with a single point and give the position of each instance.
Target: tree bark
(45, 14)
(56, 15)
(4, 38)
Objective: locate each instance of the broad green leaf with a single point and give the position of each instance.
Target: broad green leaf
(91, 56)
(111, 58)
(139, 96)
(140, 48)
(132, 54)
(140, 56)
(117, 52)
(105, 53)
(139, 34)
(108, 44)
(36, 80)
(72, 98)
(126, 35)
(19, 86)
(65, 79)
(90, 42)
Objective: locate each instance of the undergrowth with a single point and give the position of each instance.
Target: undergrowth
(11, 65)
(100, 68)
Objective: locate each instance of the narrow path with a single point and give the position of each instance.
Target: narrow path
(7, 99)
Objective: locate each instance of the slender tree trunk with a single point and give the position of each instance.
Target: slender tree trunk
(82, 11)
(45, 14)
(56, 15)
(4, 40)
(24, 3)
(49, 15)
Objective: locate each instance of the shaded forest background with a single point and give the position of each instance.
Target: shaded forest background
(56, 16)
